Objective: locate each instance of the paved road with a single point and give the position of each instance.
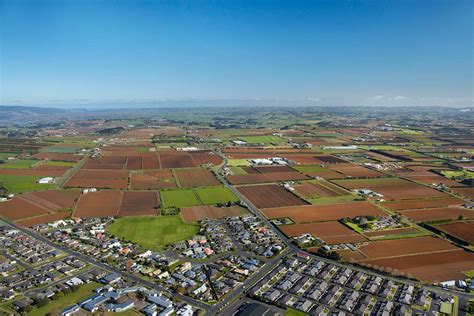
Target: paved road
(255, 211)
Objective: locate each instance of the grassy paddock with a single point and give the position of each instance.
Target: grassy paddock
(152, 232)
(19, 164)
(216, 195)
(20, 184)
(179, 198)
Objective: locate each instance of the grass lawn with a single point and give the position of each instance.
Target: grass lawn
(55, 307)
(309, 168)
(60, 163)
(179, 198)
(263, 139)
(216, 195)
(469, 273)
(152, 232)
(238, 162)
(294, 312)
(19, 164)
(19, 184)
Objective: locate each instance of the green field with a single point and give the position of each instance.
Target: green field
(19, 164)
(20, 184)
(152, 232)
(60, 163)
(238, 162)
(462, 174)
(7, 155)
(335, 199)
(237, 170)
(263, 139)
(60, 150)
(178, 198)
(309, 168)
(216, 195)
(55, 307)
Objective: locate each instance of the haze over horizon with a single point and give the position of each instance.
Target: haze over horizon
(140, 53)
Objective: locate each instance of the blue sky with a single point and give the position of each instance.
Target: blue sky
(334, 52)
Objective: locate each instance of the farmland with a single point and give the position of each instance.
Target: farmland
(153, 232)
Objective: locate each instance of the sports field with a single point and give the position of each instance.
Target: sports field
(152, 232)
(179, 198)
(216, 195)
(20, 184)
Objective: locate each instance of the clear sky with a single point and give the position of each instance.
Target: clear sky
(332, 52)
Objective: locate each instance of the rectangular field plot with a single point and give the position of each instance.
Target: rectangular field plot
(436, 214)
(99, 204)
(392, 188)
(179, 198)
(424, 203)
(271, 195)
(215, 195)
(199, 213)
(330, 232)
(316, 189)
(139, 203)
(195, 177)
(461, 230)
(315, 213)
(22, 183)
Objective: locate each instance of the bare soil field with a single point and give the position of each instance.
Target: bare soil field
(266, 177)
(318, 189)
(271, 195)
(151, 162)
(330, 232)
(97, 183)
(18, 208)
(425, 203)
(30, 222)
(355, 171)
(467, 191)
(177, 161)
(432, 267)
(402, 247)
(139, 203)
(134, 163)
(316, 213)
(59, 198)
(199, 213)
(99, 204)
(148, 182)
(461, 230)
(435, 214)
(195, 177)
(206, 158)
(101, 174)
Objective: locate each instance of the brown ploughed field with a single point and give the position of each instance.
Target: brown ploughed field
(435, 214)
(461, 230)
(139, 203)
(330, 232)
(270, 195)
(316, 213)
(195, 177)
(418, 204)
(199, 213)
(99, 204)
